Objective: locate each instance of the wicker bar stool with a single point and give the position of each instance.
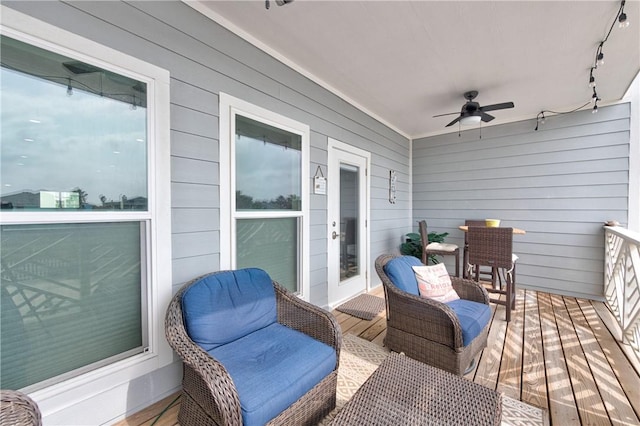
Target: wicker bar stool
(18, 409)
(493, 247)
(467, 271)
(439, 249)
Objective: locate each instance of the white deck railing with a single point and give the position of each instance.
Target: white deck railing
(622, 281)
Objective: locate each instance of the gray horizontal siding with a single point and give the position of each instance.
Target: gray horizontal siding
(205, 59)
(560, 184)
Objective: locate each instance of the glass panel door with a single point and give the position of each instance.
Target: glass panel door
(349, 219)
(347, 201)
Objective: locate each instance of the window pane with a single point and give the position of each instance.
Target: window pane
(270, 244)
(349, 219)
(268, 167)
(70, 297)
(73, 135)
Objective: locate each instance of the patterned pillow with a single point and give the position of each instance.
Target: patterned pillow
(434, 283)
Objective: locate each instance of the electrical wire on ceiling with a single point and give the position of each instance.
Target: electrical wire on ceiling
(623, 22)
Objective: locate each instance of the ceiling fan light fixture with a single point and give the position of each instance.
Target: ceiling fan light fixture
(470, 120)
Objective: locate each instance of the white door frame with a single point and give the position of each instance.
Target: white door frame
(334, 147)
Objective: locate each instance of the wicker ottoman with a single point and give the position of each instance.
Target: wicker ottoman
(403, 391)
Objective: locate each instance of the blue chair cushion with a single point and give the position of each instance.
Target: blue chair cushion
(225, 306)
(401, 274)
(272, 368)
(473, 317)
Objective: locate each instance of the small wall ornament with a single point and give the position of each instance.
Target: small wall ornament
(319, 183)
(392, 186)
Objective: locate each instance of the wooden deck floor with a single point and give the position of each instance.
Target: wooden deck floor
(556, 353)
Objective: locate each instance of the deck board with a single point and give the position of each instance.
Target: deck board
(534, 380)
(623, 370)
(489, 366)
(590, 405)
(615, 401)
(510, 375)
(556, 353)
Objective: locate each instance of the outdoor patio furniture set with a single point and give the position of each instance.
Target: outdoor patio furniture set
(254, 353)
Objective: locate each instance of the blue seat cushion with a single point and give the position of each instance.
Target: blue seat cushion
(401, 274)
(225, 306)
(473, 317)
(272, 368)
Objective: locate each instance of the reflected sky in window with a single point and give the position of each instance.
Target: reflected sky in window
(58, 139)
(268, 164)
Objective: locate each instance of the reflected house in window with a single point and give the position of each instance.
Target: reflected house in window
(59, 200)
(21, 200)
(28, 200)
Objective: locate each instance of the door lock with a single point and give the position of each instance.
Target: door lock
(334, 235)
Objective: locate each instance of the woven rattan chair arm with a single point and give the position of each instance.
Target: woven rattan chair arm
(470, 290)
(214, 375)
(308, 318)
(423, 317)
(18, 409)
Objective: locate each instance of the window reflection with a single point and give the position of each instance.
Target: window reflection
(270, 244)
(73, 135)
(268, 164)
(70, 297)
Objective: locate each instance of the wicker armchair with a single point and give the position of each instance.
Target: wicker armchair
(209, 395)
(17, 409)
(431, 331)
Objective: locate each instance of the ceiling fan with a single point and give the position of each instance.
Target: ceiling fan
(473, 113)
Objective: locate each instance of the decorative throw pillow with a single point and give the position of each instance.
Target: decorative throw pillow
(434, 283)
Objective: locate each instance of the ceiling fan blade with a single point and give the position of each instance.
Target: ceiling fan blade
(454, 121)
(486, 117)
(494, 107)
(442, 115)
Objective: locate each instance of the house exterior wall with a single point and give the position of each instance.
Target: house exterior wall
(205, 59)
(559, 183)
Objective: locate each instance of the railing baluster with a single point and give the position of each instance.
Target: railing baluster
(622, 283)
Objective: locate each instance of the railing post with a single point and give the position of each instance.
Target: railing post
(622, 282)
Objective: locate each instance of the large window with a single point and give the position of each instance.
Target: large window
(78, 222)
(268, 192)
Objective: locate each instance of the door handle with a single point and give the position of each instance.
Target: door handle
(334, 235)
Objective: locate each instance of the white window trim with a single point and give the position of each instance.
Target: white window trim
(229, 106)
(91, 390)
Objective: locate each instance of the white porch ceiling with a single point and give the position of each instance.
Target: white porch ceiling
(406, 61)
